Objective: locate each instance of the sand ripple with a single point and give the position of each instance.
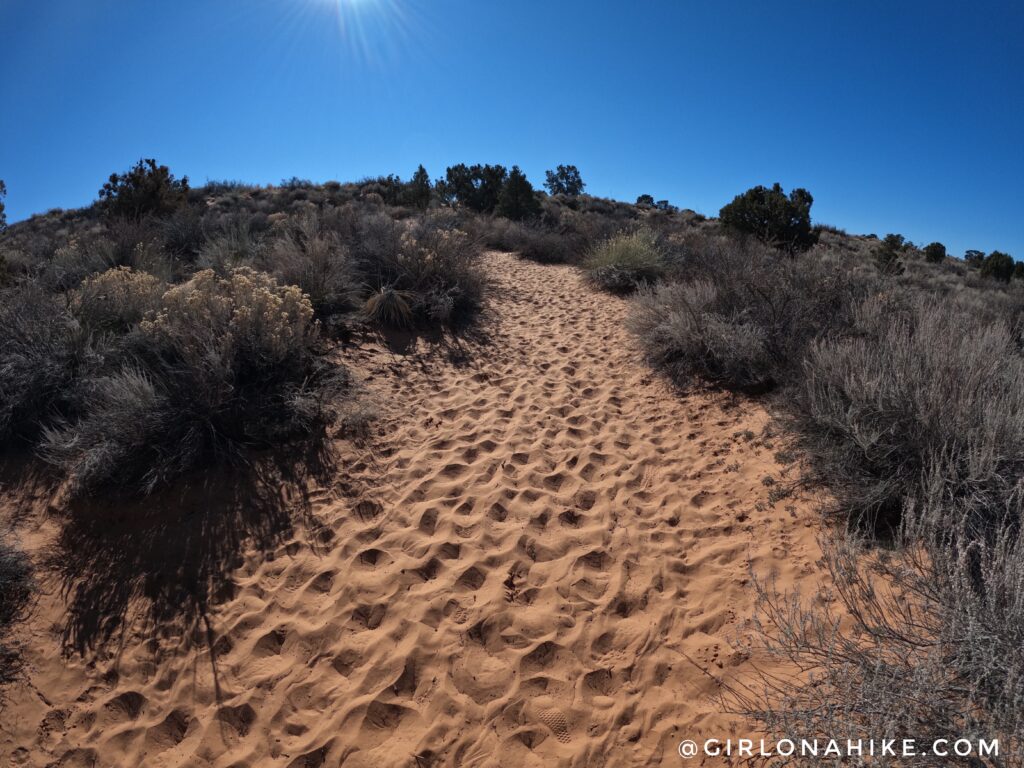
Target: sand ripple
(552, 540)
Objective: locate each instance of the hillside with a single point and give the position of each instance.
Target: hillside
(457, 473)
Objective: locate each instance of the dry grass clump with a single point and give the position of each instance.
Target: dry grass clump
(545, 246)
(625, 262)
(390, 307)
(236, 244)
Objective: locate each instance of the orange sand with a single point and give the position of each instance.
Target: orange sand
(549, 541)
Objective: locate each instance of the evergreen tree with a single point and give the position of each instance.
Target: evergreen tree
(935, 253)
(974, 258)
(3, 213)
(772, 217)
(998, 266)
(145, 189)
(565, 180)
(419, 189)
(518, 201)
(477, 187)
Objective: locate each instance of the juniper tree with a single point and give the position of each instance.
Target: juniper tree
(419, 189)
(565, 180)
(517, 200)
(145, 189)
(772, 217)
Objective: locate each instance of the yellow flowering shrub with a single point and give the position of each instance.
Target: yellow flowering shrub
(116, 299)
(247, 312)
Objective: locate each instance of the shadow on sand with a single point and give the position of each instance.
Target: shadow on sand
(160, 564)
(458, 346)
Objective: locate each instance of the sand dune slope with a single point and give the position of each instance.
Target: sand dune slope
(550, 541)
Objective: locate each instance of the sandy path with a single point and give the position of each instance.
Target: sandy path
(552, 534)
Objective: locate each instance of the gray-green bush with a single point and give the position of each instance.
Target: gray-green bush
(739, 314)
(625, 262)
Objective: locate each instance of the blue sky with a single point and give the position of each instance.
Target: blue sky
(898, 116)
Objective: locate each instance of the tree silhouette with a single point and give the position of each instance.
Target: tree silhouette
(772, 217)
(477, 187)
(934, 252)
(998, 265)
(565, 180)
(146, 189)
(517, 200)
(419, 189)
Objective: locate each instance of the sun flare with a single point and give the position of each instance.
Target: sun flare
(368, 29)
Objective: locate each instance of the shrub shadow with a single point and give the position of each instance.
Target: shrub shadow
(458, 344)
(160, 564)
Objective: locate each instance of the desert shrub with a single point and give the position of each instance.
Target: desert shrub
(115, 300)
(517, 200)
(42, 348)
(772, 217)
(224, 187)
(998, 266)
(391, 189)
(16, 588)
(565, 180)
(146, 189)
(183, 233)
(684, 335)
(888, 253)
(916, 421)
(830, 229)
(926, 643)
(910, 410)
(740, 315)
(296, 184)
(236, 245)
(225, 363)
(74, 261)
(428, 263)
(916, 386)
(546, 246)
(494, 232)
(934, 253)
(313, 258)
(371, 236)
(3, 211)
(625, 262)
(439, 268)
